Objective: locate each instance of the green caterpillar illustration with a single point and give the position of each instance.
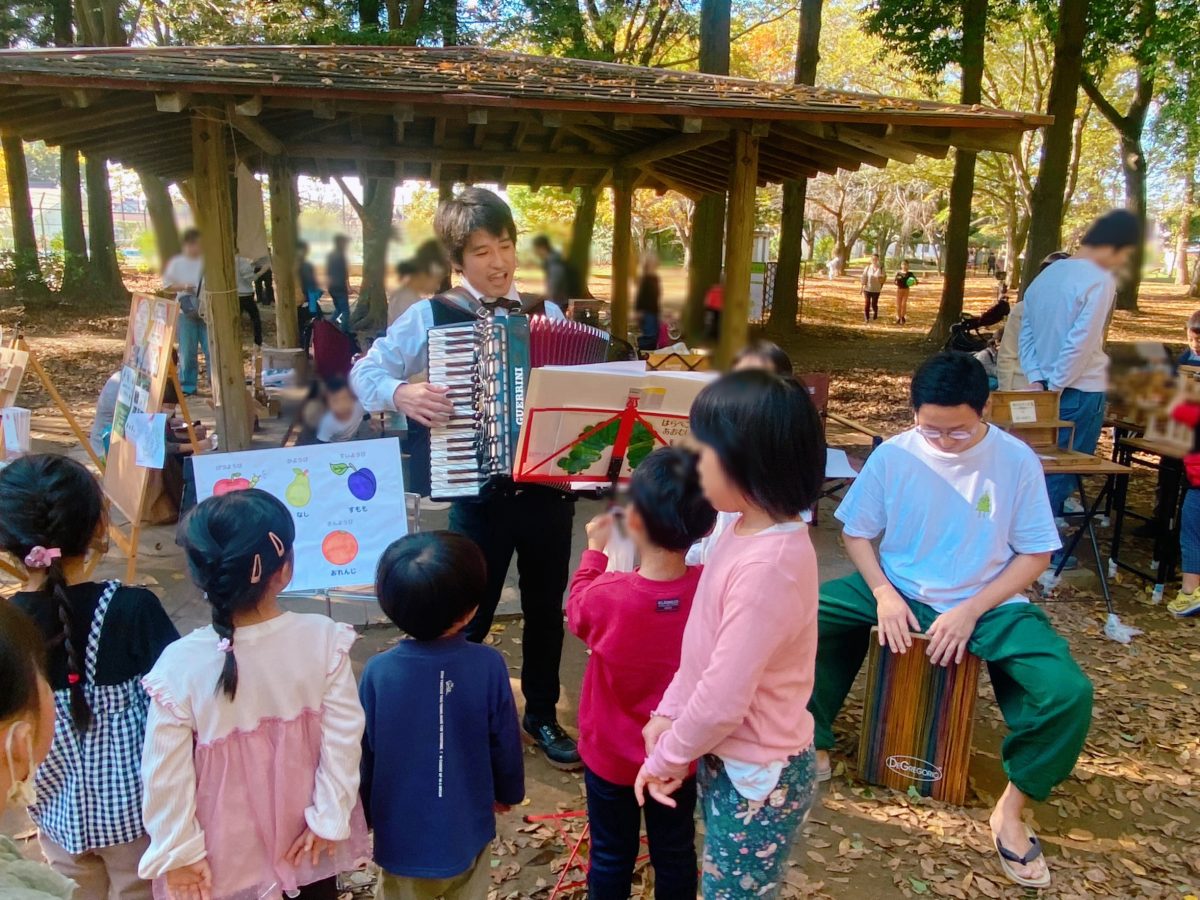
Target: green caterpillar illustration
(587, 453)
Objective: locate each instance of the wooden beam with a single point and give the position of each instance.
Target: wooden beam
(966, 138)
(671, 147)
(257, 134)
(552, 118)
(214, 212)
(477, 116)
(80, 98)
(250, 106)
(675, 184)
(881, 145)
(172, 103)
(401, 116)
(479, 136)
(760, 129)
(465, 157)
(820, 137)
(622, 253)
(739, 246)
(691, 125)
(285, 208)
(597, 139)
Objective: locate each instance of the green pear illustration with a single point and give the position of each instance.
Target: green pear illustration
(299, 492)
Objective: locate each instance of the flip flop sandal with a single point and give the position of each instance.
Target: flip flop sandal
(1007, 858)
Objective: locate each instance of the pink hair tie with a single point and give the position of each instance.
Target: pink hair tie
(42, 557)
(224, 646)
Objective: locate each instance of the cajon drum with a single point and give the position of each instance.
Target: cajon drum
(917, 721)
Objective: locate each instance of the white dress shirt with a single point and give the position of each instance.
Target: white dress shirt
(403, 353)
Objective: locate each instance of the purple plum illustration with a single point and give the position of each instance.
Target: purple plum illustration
(361, 482)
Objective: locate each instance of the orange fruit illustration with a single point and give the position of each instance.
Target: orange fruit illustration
(339, 547)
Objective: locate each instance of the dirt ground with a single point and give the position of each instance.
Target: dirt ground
(1124, 825)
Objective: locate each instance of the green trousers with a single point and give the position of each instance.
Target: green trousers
(1044, 696)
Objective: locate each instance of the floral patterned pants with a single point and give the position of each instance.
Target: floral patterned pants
(747, 842)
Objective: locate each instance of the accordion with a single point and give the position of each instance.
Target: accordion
(485, 367)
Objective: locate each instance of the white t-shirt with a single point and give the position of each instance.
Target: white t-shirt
(950, 522)
(184, 270)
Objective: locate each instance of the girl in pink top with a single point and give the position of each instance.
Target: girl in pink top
(738, 703)
(253, 742)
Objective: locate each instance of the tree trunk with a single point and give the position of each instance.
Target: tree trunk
(75, 258)
(106, 273)
(958, 228)
(579, 253)
(1194, 290)
(379, 197)
(708, 242)
(785, 298)
(1185, 224)
(1046, 206)
(448, 18)
(26, 268)
(368, 15)
(708, 217)
(162, 216)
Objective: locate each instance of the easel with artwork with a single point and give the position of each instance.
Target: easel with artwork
(146, 368)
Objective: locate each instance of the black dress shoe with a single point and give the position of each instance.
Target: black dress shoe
(560, 748)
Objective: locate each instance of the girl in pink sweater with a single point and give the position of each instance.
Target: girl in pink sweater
(738, 703)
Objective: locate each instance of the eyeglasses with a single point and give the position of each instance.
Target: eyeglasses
(954, 434)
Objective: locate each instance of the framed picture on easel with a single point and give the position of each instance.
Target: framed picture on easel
(145, 370)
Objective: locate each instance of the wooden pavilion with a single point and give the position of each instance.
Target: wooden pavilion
(449, 115)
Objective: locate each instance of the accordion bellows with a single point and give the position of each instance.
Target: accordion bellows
(485, 366)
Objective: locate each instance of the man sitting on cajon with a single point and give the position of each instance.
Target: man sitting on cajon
(966, 527)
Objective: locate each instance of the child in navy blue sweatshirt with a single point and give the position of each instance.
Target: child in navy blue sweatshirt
(442, 748)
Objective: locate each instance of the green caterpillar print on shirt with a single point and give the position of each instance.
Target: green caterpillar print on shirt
(587, 453)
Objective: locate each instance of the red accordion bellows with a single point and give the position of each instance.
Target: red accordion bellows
(562, 342)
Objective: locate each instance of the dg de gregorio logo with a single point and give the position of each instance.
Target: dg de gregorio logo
(914, 768)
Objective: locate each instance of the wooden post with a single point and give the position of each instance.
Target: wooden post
(284, 209)
(622, 252)
(214, 212)
(739, 247)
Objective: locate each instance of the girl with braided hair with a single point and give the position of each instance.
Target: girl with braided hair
(101, 638)
(254, 737)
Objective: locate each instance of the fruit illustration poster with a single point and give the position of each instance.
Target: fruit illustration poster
(347, 500)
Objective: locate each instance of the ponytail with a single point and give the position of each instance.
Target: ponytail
(235, 544)
(56, 584)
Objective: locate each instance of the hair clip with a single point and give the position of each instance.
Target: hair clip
(72, 678)
(41, 557)
(276, 543)
(256, 569)
(224, 645)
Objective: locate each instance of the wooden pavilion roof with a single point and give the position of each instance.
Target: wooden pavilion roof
(468, 114)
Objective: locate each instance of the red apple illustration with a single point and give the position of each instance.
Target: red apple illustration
(234, 483)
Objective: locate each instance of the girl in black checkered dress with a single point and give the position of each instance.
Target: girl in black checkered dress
(101, 638)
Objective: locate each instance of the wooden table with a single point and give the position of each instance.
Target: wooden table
(1169, 493)
(1116, 481)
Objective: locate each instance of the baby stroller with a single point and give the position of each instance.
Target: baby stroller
(967, 335)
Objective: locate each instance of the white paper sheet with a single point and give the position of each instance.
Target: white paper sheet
(148, 432)
(837, 464)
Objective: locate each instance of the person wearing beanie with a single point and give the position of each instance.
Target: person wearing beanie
(1062, 334)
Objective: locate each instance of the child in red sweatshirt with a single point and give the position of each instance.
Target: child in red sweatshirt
(633, 623)
(1188, 601)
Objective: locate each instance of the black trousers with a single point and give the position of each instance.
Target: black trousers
(246, 302)
(264, 288)
(616, 823)
(535, 523)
